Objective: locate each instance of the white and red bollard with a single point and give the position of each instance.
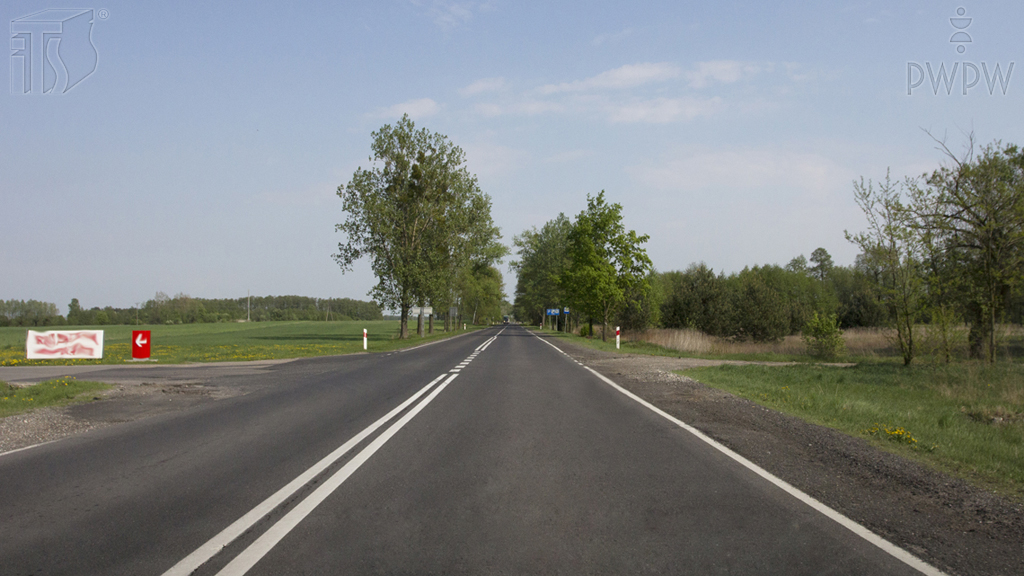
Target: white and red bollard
(617, 332)
(364, 338)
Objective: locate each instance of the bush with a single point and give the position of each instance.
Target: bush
(585, 331)
(823, 337)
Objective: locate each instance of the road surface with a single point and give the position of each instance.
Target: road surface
(491, 453)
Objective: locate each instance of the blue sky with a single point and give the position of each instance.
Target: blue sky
(203, 153)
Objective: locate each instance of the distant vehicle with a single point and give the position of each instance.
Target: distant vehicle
(505, 321)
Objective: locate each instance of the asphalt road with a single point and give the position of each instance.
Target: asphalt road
(491, 453)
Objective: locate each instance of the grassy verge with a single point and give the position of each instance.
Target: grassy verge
(966, 419)
(185, 343)
(14, 400)
(648, 348)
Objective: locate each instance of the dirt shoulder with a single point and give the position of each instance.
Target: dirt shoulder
(944, 521)
(136, 392)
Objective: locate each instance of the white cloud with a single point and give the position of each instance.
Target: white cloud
(484, 85)
(663, 110)
(628, 76)
(744, 170)
(420, 108)
(721, 71)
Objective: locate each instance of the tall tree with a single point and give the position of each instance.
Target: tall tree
(974, 209)
(893, 245)
(822, 263)
(418, 214)
(607, 262)
(542, 257)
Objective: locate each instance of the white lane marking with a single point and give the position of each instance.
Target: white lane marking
(888, 547)
(481, 347)
(208, 550)
(258, 549)
(445, 339)
(2, 454)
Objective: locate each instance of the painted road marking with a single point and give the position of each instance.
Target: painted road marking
(258, 549)
(888, 547)
(208, 550)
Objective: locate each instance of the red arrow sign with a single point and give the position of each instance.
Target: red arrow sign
(140, 344)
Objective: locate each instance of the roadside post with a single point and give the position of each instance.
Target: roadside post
(364, 338)
(616, 337)
(140, 344)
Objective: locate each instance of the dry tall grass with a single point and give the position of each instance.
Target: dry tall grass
(860, 342)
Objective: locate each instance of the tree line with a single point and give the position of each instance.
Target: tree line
(29, 313)
(945, 249)
(184, 309)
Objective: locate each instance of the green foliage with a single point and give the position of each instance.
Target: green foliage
(696, 299)
(823, 337)
(482, 294)
(420, 217)
(183, 309)
(542, 258)
(29, 313)
(822, 264)
(972, 218)
(607, 263)
(893, 247)
(759, 310)
(858, 297)
(642, 308)
(763, 303)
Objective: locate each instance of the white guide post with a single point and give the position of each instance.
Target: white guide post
(616, 337)
(364, 338)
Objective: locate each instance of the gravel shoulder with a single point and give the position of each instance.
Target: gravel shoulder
(137, 391)
(957, 527)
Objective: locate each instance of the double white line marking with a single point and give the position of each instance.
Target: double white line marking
(251, 555)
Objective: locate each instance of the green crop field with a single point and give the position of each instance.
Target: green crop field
(223, 342)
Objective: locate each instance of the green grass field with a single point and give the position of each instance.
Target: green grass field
(183, 343)
(965, 418)
(57, 392)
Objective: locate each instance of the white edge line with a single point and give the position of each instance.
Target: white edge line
(467, 332)
(258, 549)
(888, 547)
(210, 549)
(2, 454)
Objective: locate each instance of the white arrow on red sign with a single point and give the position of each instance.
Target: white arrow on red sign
(140, 344)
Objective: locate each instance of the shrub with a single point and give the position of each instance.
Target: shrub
(823, 337)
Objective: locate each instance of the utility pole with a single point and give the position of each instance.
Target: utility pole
(247, 306)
